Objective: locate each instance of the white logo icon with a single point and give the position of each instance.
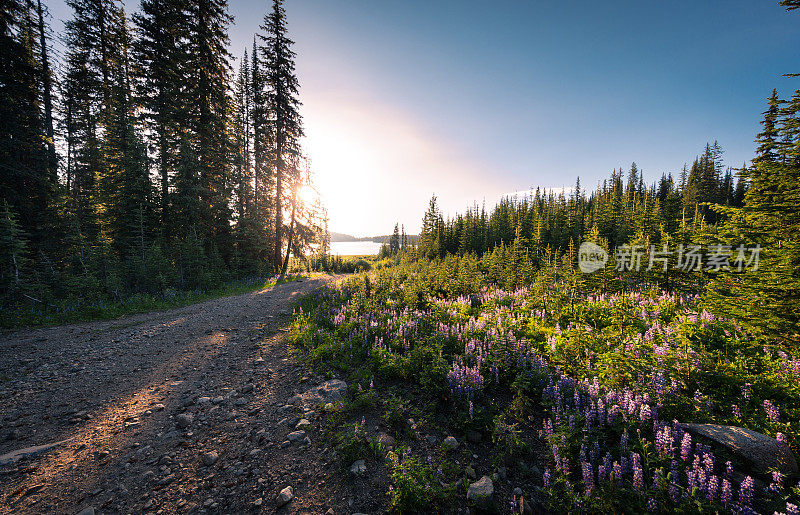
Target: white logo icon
(591, 257)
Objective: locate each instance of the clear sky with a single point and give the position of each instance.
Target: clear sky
(470, 100)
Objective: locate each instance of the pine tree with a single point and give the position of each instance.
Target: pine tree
(208, 120)
(126, 187)
(394, 241)
(791, 4)
(161, 69)
(92, 38)
(26, 179)
(47, 97)
(282, 104)
(768, 139)
(430, 238)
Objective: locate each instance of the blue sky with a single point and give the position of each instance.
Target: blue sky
(470, 100)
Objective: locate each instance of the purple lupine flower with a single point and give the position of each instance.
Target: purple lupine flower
(777, 482)
(746, 491)
(726, 495)
(773, 413)
(686, 446)
(652, 505)
(728, 469)
(623, 441)
(617, 472)
(588, 475)
(645, 413)
(737, 413)
(781, 438)
(638, 473)
(674, 492)
(708, 462)
(746, 391)
(546, 478)
(792, 509)
(698, 399)
(712, 486)
(700, 479)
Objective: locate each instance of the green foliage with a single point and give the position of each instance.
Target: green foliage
(414, 489)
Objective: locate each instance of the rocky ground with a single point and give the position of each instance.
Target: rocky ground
(186, 410)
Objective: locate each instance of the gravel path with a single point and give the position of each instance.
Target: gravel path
(175, 411)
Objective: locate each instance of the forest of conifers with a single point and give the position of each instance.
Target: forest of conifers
(139, 161)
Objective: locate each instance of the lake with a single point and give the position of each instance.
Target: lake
(354, 248)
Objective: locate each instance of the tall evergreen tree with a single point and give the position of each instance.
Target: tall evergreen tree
(161, 70)
(208, 121)
(282, 106)
(26, 177)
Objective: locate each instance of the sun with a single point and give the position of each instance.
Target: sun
(307, 194)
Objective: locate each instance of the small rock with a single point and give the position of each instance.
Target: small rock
(258, 502)
(431, 439)
(386, 440)
(481, 492)
(286, 495)
(210, 458)
(159, 407)
(184, 420)
(302, 423)
(295, 400)
(329, 391)
(296, 436)
(358, 468)
(203, 400)
(87, 511)
(450, 443)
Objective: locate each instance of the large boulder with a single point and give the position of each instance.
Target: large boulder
(763, 451)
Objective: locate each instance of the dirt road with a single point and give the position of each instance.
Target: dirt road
(175, 411)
